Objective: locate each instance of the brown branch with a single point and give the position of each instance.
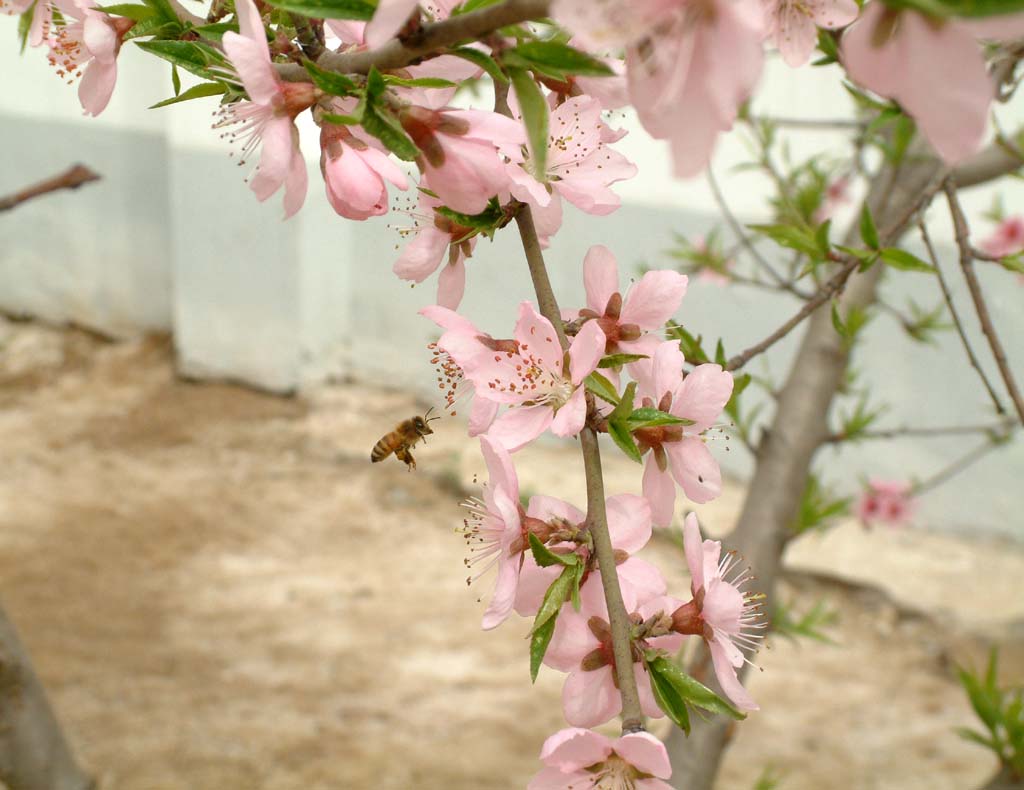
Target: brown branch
(941, 430)
(72, 178)
(429, 40)
(1000, 409)
(988, 164)
(967, 266)
(960, 464)
(312, 44)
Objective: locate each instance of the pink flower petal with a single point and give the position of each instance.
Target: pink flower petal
(519, 426)
(451, 284)
(575, 748)
(629, 522)
(655, 299)
(695, 469)
(387, 20)
(250, 25)
(421, 256)
(590, 698)
(660, 491)
(295, 184)
(704, 393)
(97, 86)
(251, 60)
(533, 584)
(642, 750)
(276, 158)
(666, 372)
(500, 469)
(600, 277)
(535, 332)
(547, 508)
(481, 415)
(504, 595)
(99, 37)
(586, 351)
(727, 679)
(693, 548)
(642, 579)
(554, 779)
(571, 417)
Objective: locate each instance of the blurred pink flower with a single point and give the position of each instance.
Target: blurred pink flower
(888, 501)
(391, 15)
(354, 173)
(268, 119)
(631, 324)
(532, 380)
(577, 758)
(460, 153)
(582, 646)
(1007, 238)
(793, 24)
(725, 616)
(677, 453)
(933, 67)
(837, 194)
(42, 18)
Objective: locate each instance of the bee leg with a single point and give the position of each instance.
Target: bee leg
(403, 454)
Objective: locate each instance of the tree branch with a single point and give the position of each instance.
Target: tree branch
(431, 38)
(941, 430)
(967, 266)
(960, 464)
(1000, 409)
(72, 178)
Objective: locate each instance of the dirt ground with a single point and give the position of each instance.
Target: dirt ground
(220, 591)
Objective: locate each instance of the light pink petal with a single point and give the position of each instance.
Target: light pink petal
(834, 14)
(548, 507)
(575, 748)
(295, 184)
(41, 21)
(571, 417)
(481, 415)
(387, 20)
(600, 277)
(525, 187)
(500, 469)
(629, 522)
(660, 491)
(586, 351)
(348, 30)
(519, 426)
(449, 319)
(648, 704)
(554, 779)
(504, 595)
(667, 372)
(797, 35)
(643, 579)
(490, 127)
(534, 582)
(642, 750)
(275, 160)
(385, 167)
(704, 393)
(97, 86)
(548, 219)
(421, 256)
(655, 299)
(998, 28)
(469, 176)
(251, 60)
(250, 25)
(723, 606)
(99, 37)
(451, 284)
(726, 674)
(590, 698)
(573, 639)
(694, 551)
(535, 333)
(695, 469)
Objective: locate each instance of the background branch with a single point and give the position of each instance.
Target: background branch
(72, 178)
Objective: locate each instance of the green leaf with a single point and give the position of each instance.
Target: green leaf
(156, 27)
(483, 60)
(578, 570)
(556, 595)
(545, 557)
(668, 699)
(647, 418)
(624, 407)
(688, 344)
(328, 9)
(192, 56)
(487, 219)
(821, 238)
(964, 8)
(694, 693)
(163, 9)
(1013, 263)
(175, 79)
(386, 128)
(904, 261)
(534, 107)
(195, 92)
(25, 25)
(419, 82)
(555, 59)
(868, 231)
(618, 360)
(216, 30)
(790, 236)
(130, 10)
(473, 5)
(601, 387)
(539, 641)
(720, 354)
(330, 81)
(623, 437)
(358, 112)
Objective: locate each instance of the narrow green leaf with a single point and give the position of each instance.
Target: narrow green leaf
(545, 557)
(694, 693)
(720, 358)
(790, 236)
(487, 219)
(473, 5)
(25, 25)
(904, 261)
(483, 60)
(822, 240)
(868, 231)
(623, 437)
(837, 321)
(163, 9)
(192, 56)
(578, 570)
(130, 10)
(648, 418)
(618, 360)
(668, 699)
(175, 80)
(554, 598)
(328, 9)
(419, 82)
(330, 81)
(534, 108)
(216, 30)
(347, 120)
(601, 387)
(555, 60)
(1013, 263)
(539, 641)
(386, 128)
(624, 407)
(195, 92)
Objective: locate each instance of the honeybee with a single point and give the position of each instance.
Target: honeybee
(401, 440)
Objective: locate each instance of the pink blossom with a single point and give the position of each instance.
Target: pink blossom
(533, 382)
(629, 526)
(631, 324)
(793, 24)
(611, 24)
(391, 16)
(1007, 238)
(837, 193)
(435, 234)
(888, 501)
(576, 758)
(725, 616)
(460, 153)
(86, 48)
(689, 77)
(354, 173)
(582, 646)
(933, 67)
(580, 166)
(269, 117)
(678, 451)
(42, 20)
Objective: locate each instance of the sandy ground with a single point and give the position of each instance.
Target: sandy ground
(221, 592)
